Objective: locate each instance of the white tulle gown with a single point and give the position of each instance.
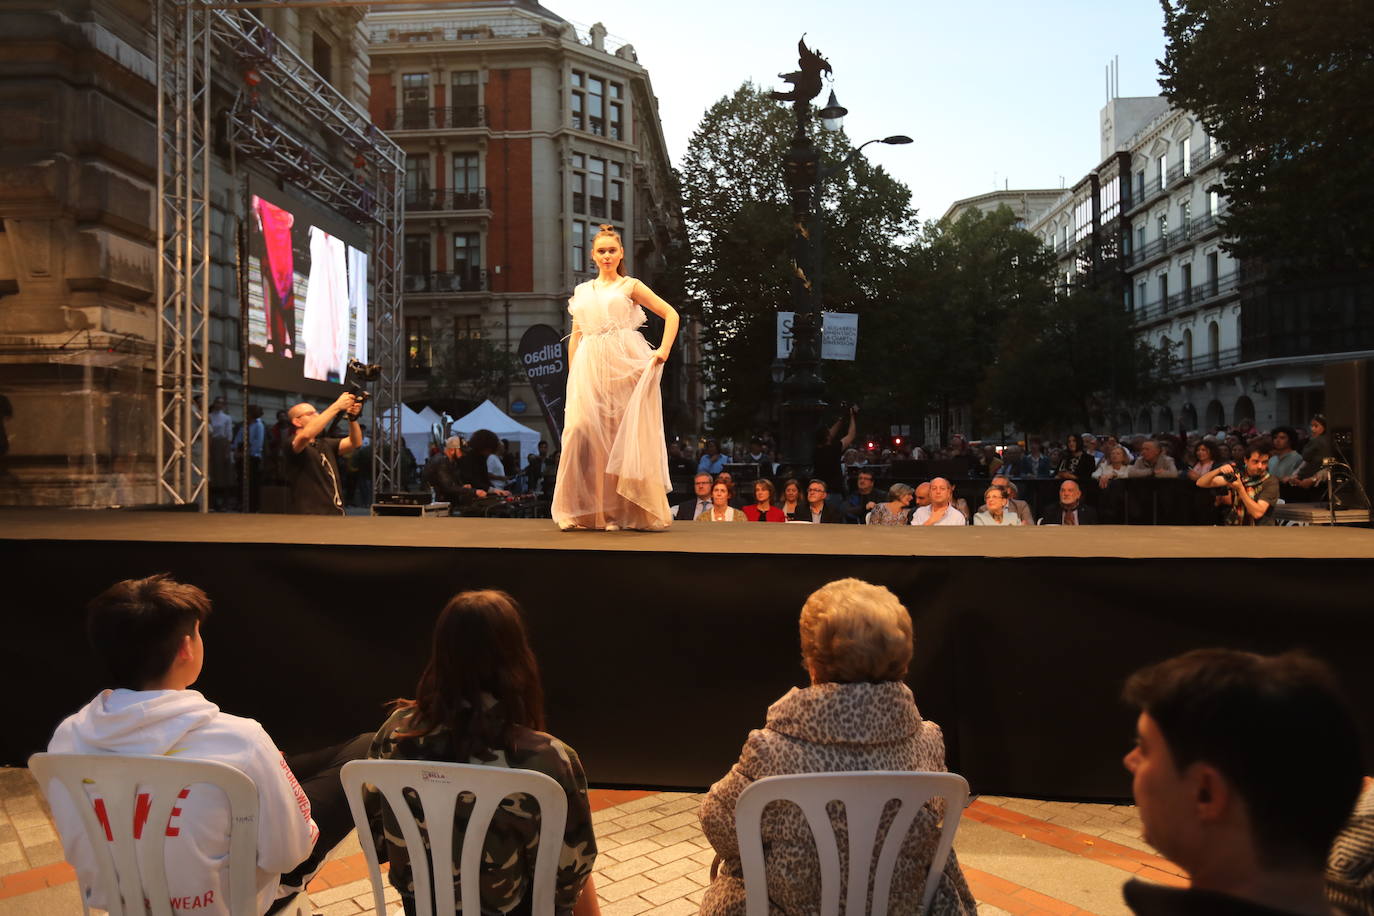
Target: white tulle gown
(614, 466)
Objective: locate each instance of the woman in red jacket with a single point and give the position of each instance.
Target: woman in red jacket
(763, 509)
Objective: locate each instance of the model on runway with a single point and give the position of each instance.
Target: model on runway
(613, 472)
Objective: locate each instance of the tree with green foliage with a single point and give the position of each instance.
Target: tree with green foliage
(740, 227)
(1067, 361)
(470, 371)
(1286, 87)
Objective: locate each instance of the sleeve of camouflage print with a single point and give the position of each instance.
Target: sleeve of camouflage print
(579, 841)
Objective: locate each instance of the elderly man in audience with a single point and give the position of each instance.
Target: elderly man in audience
(818, 509)
(1217, 799)
(941, 510)
(1070, 509)
(1019, 506)
(693, 508)
(1153, 462)
(1090, 446)
(861, 502)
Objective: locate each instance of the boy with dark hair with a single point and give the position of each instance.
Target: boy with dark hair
(145, 633)
(1245, 769)
(1254, 492)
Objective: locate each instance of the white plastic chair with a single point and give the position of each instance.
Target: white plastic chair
(119, 780)
(439, 786)
(864, 795)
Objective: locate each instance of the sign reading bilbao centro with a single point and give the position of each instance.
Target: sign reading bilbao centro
(544, 357)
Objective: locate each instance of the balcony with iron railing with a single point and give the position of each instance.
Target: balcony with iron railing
(444, 200)
(420, 117)
(464, 280)
(1191, 366)
(1204, 158)
(1197, 295)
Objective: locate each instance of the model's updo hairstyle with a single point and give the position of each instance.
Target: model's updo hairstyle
(608, 229)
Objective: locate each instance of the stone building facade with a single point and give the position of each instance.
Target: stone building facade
(522, 135)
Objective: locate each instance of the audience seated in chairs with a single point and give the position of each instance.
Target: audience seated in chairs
(1250, 825)
(995, 511)
(1019, 506)
(146, 635)
(818, 508)
(860, 502)
(897, 509)
(857, 715)
(1070, 509)
(695, 507)
(721, 510)
(941, 510)
(763, 509)
(480, 701)
(792, 503)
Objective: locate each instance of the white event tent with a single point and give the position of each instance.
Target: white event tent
(488, 416)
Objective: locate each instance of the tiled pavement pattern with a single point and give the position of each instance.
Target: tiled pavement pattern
(1021, 856)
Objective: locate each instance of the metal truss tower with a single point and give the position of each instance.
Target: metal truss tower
(189, 36)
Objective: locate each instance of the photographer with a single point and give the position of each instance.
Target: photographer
(1252, 496)
(312, 465)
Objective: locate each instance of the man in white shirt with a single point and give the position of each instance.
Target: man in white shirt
(941, 510)
(146, 634)
(1152, 462)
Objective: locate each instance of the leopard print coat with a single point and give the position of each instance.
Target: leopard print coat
(830, 728)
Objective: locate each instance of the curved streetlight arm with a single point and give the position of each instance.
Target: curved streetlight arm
(894, 140)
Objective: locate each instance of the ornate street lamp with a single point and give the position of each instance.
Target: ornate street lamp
(803, 388)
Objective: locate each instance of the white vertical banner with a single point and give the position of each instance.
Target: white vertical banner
(839, 334)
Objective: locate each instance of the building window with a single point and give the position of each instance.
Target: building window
(467, 327)
(1164, 228)
(1187, 289)
(1163, 289)
(419, 346)
(322, 56)
(414, 101)
(616, 113)
(579, 183)
(1109, 199)
(617, 191)
(589, 190)
(1163, 164)
(590, 104)
(1139, 186)
(1213, 203)
(1185, 215)
(467, 260)
(417, 181)
(1187, 350)
(467, 189)
(464, 89)
(1140, 293)
(1212, 274)
(1185, 148)
(1082, 219)
(417, 257)
(580, 261)
(1140, 238)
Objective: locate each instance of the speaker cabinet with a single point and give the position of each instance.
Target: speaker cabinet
(1349, 403)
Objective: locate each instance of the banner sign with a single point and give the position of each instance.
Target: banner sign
(839, 335)
(543, 356)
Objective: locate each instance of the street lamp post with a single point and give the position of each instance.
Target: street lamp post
(803, 389)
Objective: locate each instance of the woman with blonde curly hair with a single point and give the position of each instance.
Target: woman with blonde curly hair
(857, 715)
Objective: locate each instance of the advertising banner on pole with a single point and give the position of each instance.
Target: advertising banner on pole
(839, 335)
(543, 356)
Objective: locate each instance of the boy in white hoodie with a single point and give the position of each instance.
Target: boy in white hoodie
(147, 634)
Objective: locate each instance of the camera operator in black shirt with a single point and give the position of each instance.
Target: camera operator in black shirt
(312, 465)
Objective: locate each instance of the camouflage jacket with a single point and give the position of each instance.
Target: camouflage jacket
(508, 855)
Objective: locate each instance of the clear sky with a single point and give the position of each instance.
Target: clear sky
(992, 91)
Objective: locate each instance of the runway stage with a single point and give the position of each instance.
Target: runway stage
(660, 651)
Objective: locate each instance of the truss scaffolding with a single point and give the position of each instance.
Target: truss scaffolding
(190, 36)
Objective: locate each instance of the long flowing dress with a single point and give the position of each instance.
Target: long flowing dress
(614, 465)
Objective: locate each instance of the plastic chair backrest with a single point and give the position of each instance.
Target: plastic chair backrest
(119, 781)
(864, 795)
(439, 786)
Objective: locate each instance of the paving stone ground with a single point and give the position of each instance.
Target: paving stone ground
(1021, 856)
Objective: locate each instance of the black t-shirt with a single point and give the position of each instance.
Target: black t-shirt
(826, 459)
(313, 475)
(472, 467)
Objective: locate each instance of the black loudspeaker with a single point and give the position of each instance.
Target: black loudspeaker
(1350, 413)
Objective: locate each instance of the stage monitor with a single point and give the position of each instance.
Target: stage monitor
(307, 293)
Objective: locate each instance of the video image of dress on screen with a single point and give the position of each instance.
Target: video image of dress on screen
(307, 297)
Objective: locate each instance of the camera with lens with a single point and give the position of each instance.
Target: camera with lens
(1230, 476)
(358, 376)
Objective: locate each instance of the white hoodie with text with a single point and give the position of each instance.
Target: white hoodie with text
(182, 723)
